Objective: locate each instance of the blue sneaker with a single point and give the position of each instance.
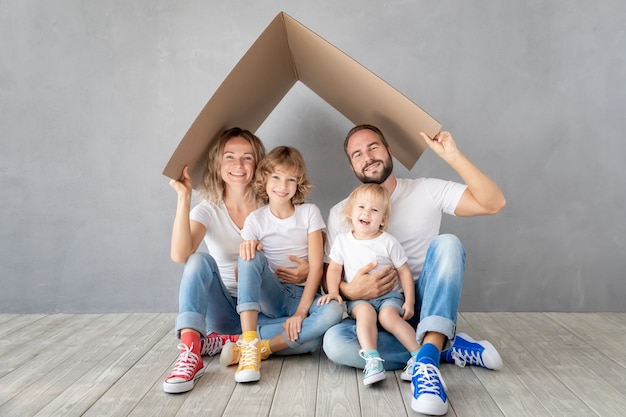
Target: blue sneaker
(374, 371)
(429, 390)
(467, 351)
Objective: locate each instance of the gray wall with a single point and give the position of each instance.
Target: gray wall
(95, 96)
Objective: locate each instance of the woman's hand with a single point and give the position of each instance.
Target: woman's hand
(182, 185)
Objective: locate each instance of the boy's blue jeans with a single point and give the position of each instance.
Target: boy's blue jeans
(437, 296)
(205, 305)
(259, 289)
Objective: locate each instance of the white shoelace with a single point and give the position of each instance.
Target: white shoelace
(370, 362)
(212, 346)
(248, 352)
(430, 380)
(461, 358)
(186, 362)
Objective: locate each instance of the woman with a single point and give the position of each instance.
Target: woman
(208, 289)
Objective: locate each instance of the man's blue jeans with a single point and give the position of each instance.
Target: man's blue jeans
(259, 289)
(437, 296)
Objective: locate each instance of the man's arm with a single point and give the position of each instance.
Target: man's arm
(482, 196)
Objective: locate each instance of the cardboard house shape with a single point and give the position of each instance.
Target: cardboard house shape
(287, 52)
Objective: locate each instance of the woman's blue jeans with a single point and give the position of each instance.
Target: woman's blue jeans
(260, 290)
(437, 296)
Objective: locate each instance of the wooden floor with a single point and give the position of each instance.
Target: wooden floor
(555, 364)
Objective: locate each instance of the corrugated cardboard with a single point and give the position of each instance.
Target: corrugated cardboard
(287, 52)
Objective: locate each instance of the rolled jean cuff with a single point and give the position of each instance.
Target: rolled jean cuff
(248, 307)
(436, 324)
(191, 320)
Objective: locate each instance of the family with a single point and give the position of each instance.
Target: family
(276, 277)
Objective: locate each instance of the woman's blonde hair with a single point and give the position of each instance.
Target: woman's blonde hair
(289, 158)
(376, 193)
(212, 187)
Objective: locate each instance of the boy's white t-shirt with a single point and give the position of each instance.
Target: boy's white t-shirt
(222, 239)
(283, 237)
(416, 211)
(353, 254)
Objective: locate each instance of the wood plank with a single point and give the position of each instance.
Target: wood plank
(555, 364)
(338, 394)
(68, 388)
(102, 372)
(38, 334)
(603, 331)
(255, 399)
(561, 353)
(16, 322)
(523, 379)
(383, 398)
(123, 396)
(296, 391)
(48, 353)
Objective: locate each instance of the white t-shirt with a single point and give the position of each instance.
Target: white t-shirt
(416, 211)
(222, 239)
(283, 237)
(353, 253)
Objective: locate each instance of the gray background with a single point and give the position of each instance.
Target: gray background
(95, 96)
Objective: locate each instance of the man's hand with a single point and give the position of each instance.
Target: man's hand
(442, 144)
(294, 275)
(365, 286)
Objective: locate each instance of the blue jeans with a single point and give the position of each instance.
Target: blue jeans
(205, 305)
(259, 289)
(437, 296)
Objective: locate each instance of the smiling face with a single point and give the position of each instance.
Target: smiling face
(238, 162)
(370, 159)
(368, 211)
(282, 185)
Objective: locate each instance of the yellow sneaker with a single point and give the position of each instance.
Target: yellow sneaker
(249, 369)
(230, 353)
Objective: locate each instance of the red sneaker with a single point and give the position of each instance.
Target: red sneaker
(214, 342)
(188, 368)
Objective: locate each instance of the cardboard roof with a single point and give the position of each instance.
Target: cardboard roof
(287, 52)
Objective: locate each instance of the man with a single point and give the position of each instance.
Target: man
(437, 262)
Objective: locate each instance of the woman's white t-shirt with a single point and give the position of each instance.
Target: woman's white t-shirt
(222, 239)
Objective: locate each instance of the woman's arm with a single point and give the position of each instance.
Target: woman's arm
(186, 234)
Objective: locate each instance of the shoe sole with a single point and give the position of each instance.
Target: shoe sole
(226, 357)
(374, 378)
(247, 376)
(431, 409)
(180, 387)
(488, 347)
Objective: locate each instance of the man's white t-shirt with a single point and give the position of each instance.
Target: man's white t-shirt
(283, 237)
(416, 211)
(222, 239)
(353, 254)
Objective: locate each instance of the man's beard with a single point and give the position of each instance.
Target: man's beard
(378, 178)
